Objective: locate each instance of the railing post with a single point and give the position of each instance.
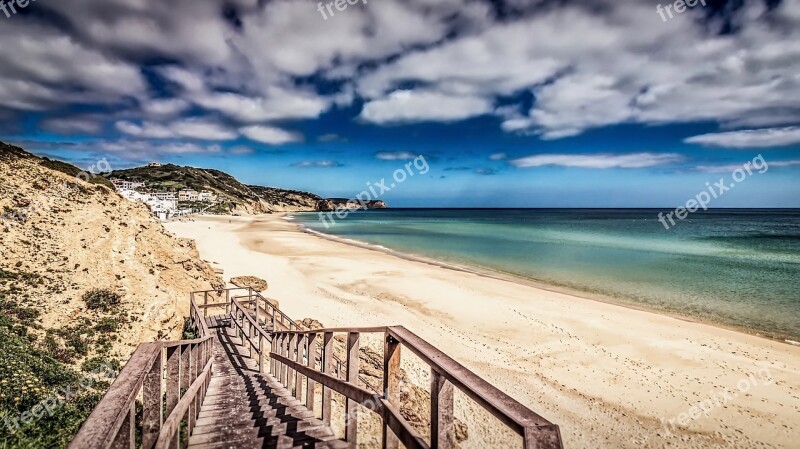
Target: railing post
(291, 375)
(311, 356)
(152, 403)
(298, 384)
(442, 431)
(351, 406)
(327, 364)
(173, 378)
(126, 438)
(391, 384)
(227, 302)
(260, 352)
(205, 303)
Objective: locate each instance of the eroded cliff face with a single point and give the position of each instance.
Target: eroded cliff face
(61, 237)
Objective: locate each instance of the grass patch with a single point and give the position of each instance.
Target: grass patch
(101, 299)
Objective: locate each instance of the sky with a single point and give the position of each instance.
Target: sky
(503, 103)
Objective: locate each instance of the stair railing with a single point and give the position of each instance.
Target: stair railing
(293, 362)
(171, 378)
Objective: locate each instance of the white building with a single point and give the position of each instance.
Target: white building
(187, 195)
(119, 184)
(164, 209)
(165, 196)
(206, 196)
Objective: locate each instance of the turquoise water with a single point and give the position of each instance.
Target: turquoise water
(734, 267)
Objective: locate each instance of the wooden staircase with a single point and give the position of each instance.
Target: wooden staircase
(253, 378)
(243, 408)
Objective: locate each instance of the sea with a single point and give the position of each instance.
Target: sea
(736, 267)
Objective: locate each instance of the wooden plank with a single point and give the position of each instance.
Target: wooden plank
(327, 365)
(311, 350)
(351, 408)
(298, 384)
(152, 404)
(106, 420)
(542, 437)
(126, 438)
(173, 377)
(171, 426)
(442, 430)
(391, 384)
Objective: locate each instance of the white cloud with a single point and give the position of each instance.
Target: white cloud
(752, 138)
(165, 107)
(317, 164)
(270, 135)
(395, 155)
(405, 106)
(279, 104)
(193, 128)
(498, 156)
(196, 128)
(598, 161)
(729, 168)
(145, 130)
(72, 125)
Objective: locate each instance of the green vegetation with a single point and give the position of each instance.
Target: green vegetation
(101, 299)
(43, 400)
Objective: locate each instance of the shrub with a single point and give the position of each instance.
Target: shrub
(101, 299)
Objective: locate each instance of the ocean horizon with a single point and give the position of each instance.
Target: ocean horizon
(736, 267)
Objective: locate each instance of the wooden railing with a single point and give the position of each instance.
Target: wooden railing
(170, 377)
(293, 361)
(236, 302)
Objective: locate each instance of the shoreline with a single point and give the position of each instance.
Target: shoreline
(610, 376)
(521, 280)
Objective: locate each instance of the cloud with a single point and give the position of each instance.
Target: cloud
(165, 107)
(197, 128)
(192, 128)
(406, 106)
(598, 161)
(729, 168)
(395, 155)
(498, 157)
(270, 135)
(486, 171)
(278, 104)
(72, 125)
(317, 164)
(753, 138)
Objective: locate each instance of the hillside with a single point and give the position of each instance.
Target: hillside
(248, 199)
(84, 277)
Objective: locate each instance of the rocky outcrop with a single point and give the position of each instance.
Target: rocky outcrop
(253, 282)
(331, 204)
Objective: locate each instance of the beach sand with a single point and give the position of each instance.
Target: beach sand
(609, 376)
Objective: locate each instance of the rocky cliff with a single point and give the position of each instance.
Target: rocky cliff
(85, 276)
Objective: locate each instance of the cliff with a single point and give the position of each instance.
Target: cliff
(85, 276)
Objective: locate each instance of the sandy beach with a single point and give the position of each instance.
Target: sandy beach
(608, 375)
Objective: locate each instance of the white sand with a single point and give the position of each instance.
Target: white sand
(606, 374)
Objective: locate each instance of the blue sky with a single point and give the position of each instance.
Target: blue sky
(512, 103)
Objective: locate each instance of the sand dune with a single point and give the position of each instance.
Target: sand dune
(610, 376)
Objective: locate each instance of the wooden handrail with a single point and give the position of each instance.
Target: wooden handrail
(113, 421)
(446, 373)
